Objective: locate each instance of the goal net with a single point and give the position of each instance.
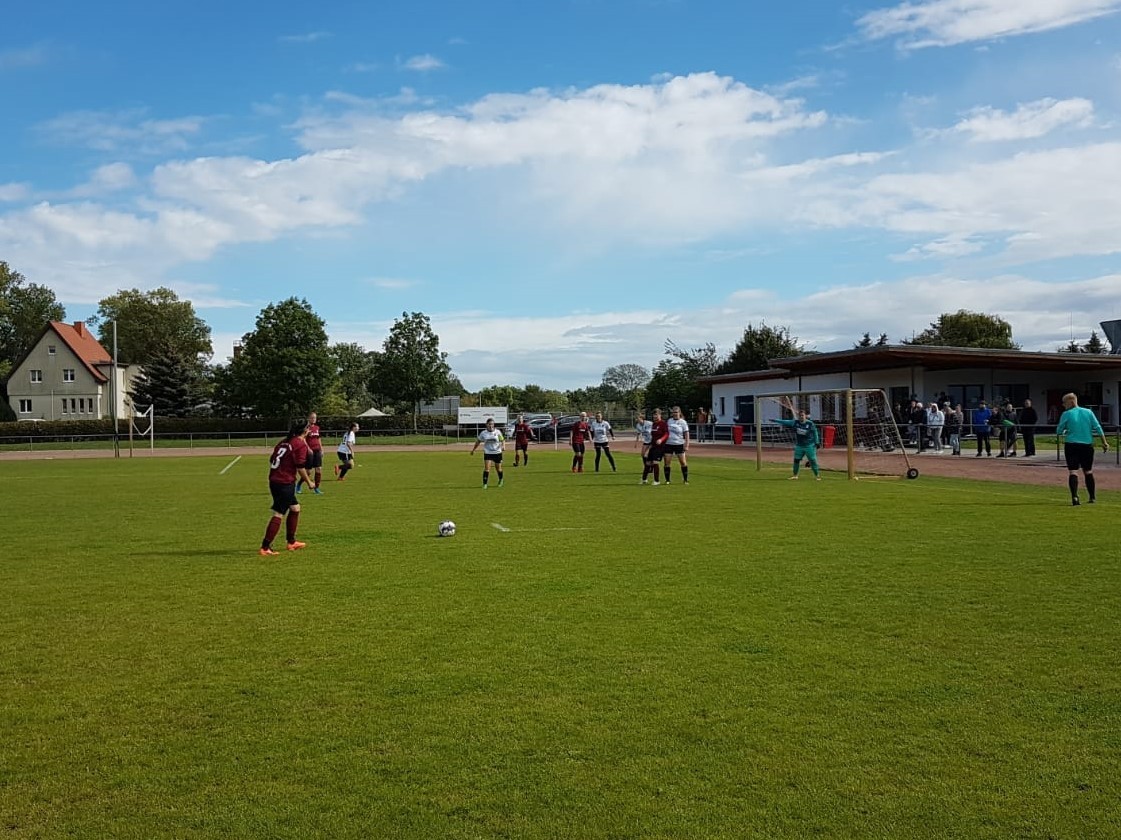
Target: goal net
(855, 427)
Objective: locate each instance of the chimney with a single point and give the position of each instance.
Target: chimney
(80, 328)
(1112, 330)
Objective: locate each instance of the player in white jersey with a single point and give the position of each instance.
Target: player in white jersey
(677, 443)
(642, 428)
(346, 453)
(492, 441)
(602, 435)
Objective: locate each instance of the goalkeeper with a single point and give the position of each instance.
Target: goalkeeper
(805, 440)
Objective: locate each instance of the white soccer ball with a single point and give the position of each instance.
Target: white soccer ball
(447, 528)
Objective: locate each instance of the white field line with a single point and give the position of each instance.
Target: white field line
(501, 528)
(230, 464)
(506, 530)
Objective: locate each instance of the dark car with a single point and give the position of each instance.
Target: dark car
(561, 430)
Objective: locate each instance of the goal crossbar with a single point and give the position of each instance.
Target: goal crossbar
(862, 424)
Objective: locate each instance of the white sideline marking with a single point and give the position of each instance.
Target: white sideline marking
(501, 528)
(506, 530)
(230, 464)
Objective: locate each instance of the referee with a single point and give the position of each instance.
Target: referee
(1079, 426)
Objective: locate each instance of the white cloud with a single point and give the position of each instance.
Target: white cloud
(391, 283)
(304, 38)
(110, 178)
(14, 191)
(1030, 120)
(15, 58)
(485, 348)
(422, 63)
(941, 23)
(950, 246)
(121, 131)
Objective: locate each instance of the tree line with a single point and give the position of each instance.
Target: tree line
(286, 365)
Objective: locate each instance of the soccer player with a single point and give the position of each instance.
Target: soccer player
(287, 461)
(659, 434)
(805, 440)
(677, 443)
(1079, 426)
(492, 441)
(642, 428)
(523, 434)
(602, 435)
(315, 454)
(346, 453)
(580, 433)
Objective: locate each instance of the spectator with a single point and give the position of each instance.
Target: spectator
(1028, 420)
(954, 420)
(702, 421)
(1008, 431)
(935, 420)
(918, 423)
(981, 416)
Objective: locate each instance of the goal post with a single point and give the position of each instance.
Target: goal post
(856, 421)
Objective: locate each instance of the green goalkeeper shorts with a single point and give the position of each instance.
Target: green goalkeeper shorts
(801, 452)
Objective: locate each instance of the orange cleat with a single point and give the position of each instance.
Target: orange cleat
(296, 546)
(268, 552)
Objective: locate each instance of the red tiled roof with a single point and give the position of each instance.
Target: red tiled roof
(83, 345)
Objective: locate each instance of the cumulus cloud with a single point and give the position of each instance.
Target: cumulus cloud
(14, 191)
(14, 58)
(1030, 120)
(943, 23)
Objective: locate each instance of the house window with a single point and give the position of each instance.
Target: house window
(51, 349)
(969, 396)
(1013, 393)
(36, 376)
(64, 405)
(25, 406)
(68, 374)
(73, 406)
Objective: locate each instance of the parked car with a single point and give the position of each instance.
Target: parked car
(561, 430)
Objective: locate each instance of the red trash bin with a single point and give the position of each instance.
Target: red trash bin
(737, 435)
(829, 434)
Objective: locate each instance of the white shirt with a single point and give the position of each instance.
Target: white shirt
(678, 431)
(347, 446)
(491, 441)
(600, 430)
(934, 417)
(644, 428)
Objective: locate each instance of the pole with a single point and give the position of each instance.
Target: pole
(849, 442)
(113, 391)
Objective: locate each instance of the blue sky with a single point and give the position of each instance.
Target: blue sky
(563, 186)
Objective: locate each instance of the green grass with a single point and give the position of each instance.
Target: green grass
(742, 657)
(105, 442)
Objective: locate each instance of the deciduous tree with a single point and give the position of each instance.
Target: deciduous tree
(967, 329)
(149, 323)
(760, 344)
(411, 367)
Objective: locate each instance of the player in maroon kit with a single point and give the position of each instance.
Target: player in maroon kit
(659, 434)
(285, 465)
(581, 433)
(523, 434)
(315, 455)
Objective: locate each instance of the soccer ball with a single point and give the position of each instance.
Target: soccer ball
(447, 528)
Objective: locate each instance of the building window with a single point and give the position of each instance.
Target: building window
(73, 406)
(51, 349)
(36, 376)
(68, 374)
(64, 405)
(1010, 392)
(25, 406)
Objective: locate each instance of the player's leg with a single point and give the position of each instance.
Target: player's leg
(1074, 463)
(292, 524)
(684, 464)
(599, 454)
(610, 458)
(1088, 472)
(811, 455)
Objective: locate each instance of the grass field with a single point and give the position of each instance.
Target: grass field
(741, 657)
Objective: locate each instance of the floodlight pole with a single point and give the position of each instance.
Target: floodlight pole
(116, 432)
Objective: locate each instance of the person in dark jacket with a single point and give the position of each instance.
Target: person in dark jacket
(1008, 431)
(981, 417)
(1029, 418)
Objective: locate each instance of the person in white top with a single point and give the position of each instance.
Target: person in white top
(677, 443)
(642, 428)
(492, 441)
(935, 420)
(346, 453)
(602, 435)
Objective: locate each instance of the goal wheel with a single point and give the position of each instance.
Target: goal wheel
(912, 473)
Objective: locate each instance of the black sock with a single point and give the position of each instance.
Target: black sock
(611, 461)
(500, 476)
(667, 473)
(1072, 482)
(486, 478)
(1091, 486)
(684, 473)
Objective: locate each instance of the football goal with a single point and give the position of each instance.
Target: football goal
(854, 423)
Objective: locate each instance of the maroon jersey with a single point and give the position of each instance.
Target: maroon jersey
(659, 432)
(522, 434)
(287, 457)
(313, 441)
(581, 432)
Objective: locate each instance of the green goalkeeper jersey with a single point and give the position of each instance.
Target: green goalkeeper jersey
(805, 432)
